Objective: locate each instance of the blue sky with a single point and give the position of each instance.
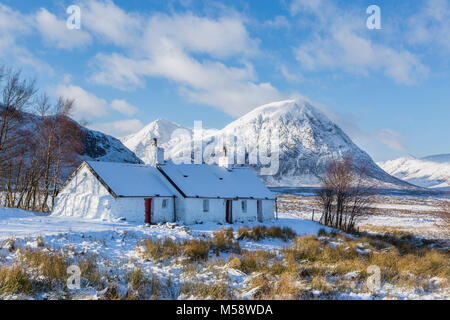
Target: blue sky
(134, 61)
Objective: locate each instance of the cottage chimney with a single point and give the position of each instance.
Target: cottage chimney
(223, 160)
(156, 156)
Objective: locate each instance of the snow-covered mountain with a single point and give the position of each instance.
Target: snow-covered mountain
(97, 145)
(141, 141)
(308, 139)
(102, 147)
(429, 172)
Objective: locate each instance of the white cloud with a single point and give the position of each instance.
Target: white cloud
(290, 76)
(118, 128)
(342, 42)
(159, 49)
(315, 6)
(124, 107)
(431, 26)
(392, 139)
(55, 31)
(221, 37)
(277, 23)
(86, 104)
(13, 26)
(111, 23)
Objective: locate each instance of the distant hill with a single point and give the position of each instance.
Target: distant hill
(430, 172)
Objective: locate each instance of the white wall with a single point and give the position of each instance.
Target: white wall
(190, 210)
(268, 209)
(133, 209)
(240, 216)
(85, 197)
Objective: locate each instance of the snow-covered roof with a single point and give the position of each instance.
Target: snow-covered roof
(133, 180)
(210, 181)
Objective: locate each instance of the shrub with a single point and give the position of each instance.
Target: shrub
(234, 262)
(196, 249)
(252, 261)
(161, 250)
(137, 280)
(220, 290)
(53, 266)
(40, 241)
(260, 232)
(14, 280)
(89, 270)
(223, 240)
(264, 284)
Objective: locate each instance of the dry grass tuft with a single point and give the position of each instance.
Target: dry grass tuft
(53, 266)
(254, 261)
(220, 290)
(14, 280)
(223, 240)
(161, 250)
(40, 241)
(260, 232)
(89, 269)
(196, 250)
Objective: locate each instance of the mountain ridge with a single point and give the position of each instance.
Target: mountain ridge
(428, 172)
(308, 140)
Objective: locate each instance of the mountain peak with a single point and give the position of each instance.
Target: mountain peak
(307, 141)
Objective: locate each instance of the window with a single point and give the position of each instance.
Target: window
(205, 205)
(164, 203)
(244, 206)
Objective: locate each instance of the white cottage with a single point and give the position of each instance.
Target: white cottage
(165, 191)
(218, 194)
(107, 190)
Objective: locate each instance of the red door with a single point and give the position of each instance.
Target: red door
(259, 210)
(229, 212)
(148, 210)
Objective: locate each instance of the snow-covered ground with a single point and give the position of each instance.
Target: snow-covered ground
(21, 224)
(418, 215)
(116, 243)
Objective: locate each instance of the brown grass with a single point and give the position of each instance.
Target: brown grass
(40, 241)
(14, 280)
(161, 250)
(260, 232)
(51, 265)
(220, 290)
(196, 250)
(223, 240)
(89, 269)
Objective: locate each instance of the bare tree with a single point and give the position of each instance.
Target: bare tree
(36, 150)
(346, 194)
(15, 94)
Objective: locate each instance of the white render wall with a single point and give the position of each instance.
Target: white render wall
(268, 209)
(190, 210)
(85, 197)
(133, 209)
